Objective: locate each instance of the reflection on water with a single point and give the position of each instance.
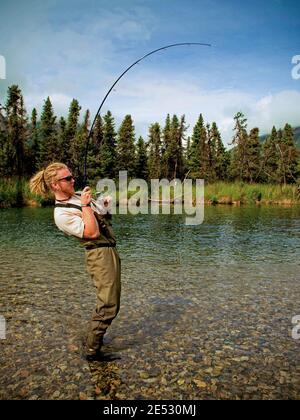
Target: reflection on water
(206, 310)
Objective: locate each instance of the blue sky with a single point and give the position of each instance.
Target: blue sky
(76, 49)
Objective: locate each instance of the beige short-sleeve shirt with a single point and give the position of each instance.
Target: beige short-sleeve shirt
(69, 220)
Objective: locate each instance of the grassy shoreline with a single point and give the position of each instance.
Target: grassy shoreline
(17, 194)
(241, 193)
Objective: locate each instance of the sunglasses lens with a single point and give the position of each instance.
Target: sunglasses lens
(66, 178)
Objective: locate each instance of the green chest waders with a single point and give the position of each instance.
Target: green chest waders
(104, 266)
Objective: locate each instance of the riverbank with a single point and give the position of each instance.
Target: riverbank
(17, 194)
(241, 193)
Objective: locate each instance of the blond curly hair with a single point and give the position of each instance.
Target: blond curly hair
(40, 183)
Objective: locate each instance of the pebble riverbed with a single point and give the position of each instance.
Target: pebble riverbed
(219, 331)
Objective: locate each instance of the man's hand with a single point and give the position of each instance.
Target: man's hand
(86, 196)
(107, 201)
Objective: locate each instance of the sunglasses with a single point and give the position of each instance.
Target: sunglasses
(66, 178)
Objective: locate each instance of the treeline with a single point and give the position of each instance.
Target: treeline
(30, 143)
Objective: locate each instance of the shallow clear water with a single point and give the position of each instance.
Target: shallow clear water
(206, 310)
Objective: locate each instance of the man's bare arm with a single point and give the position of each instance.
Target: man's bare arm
(91, 227)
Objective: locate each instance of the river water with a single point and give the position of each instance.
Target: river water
(206, 310)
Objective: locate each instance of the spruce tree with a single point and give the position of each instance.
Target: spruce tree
(221, 157)
(71, 131)
(94, 161)
(141, 159)
(240, 152)
(48, 135)
(166, 140)
(16, 132)
(292, 154)
(78, 148)
(34, 145)
(208, 160)
(126, 147)
(204, 153)
(3, 141)
(180, 149)
(281, 170)
(2, 119)
(174, 149)
(62, 129)
(288, 156)
(154, 145)
(270, 160)
(197, 151)
(108, 149)
(254, 156)
(187, 154)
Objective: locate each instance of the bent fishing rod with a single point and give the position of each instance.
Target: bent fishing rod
(114, 84)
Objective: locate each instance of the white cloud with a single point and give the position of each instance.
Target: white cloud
(60, 102)
(277, 109)
(150, 101)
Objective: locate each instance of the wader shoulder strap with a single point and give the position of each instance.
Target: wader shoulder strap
(69, 206)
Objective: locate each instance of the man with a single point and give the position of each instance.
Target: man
(77, 214)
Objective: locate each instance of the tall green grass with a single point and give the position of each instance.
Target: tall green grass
(15, 193)
(11, 193)
(222, 192)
